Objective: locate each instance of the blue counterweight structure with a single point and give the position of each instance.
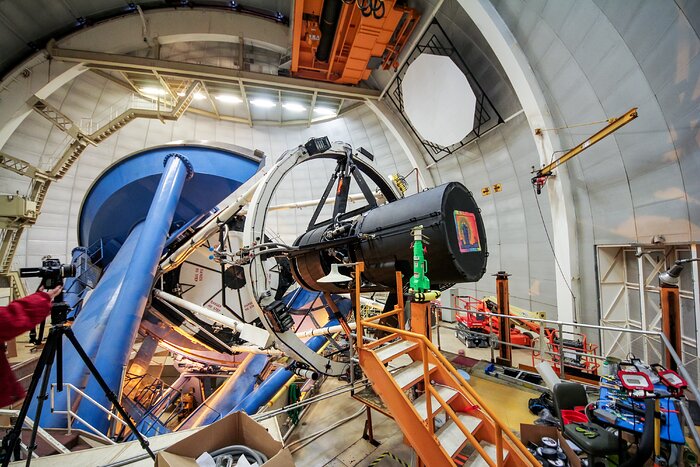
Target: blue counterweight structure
(114, 215)
(124, 319)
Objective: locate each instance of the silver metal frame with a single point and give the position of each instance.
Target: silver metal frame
(257, 278)
(559, 325)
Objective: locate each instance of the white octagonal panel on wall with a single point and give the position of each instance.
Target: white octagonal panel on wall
(438, 100)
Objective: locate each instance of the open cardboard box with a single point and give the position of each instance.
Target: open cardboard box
(535, 433)
(237, 428)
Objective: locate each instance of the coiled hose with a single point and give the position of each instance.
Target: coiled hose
(237, 450)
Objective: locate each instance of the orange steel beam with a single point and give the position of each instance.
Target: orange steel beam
(671, 320)
(336, 312)
(297, 32)
(506, 357)
(345, 16)
(357, 40)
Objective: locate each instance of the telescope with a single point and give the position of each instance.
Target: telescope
(381, 238)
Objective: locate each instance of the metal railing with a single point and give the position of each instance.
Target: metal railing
(132, 101)
(430, 352)
(655, 337)
(43, 434)
(70, 415)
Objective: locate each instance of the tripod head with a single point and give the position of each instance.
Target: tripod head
(59, 311)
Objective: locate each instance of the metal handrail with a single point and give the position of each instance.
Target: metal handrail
(43, 434)
(425, 346)
(464, 384)
(664, 340)
(70, 415)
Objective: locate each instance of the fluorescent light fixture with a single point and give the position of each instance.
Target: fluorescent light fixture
(153, 91)
(294, 107)
(198, 96)
(264, 103)
(181, 93)
(228, 98)
(324, 111)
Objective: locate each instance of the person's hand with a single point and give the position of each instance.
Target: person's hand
(53, 293)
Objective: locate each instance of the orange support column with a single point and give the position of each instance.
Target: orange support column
(671, 320)
(420, 319)
(502, 295)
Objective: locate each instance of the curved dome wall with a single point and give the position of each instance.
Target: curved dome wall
(596, 59)
(593, 60)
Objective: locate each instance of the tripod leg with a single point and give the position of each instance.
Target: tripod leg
(59, 363)
(108, 392)
(11, 441)
(51, 340)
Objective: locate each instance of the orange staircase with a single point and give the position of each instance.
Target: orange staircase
(468, 421)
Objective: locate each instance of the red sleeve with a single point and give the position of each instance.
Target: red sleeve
(23, 314)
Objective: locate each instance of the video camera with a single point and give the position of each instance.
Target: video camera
(52, 272)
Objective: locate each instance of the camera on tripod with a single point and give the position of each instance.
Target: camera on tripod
(52, 272)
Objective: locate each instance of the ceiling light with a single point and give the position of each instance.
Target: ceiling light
(265, 103)
(181, 93)
(198, 96)
(153, 91)
(294, 107)
(228, 98)
(324, 111)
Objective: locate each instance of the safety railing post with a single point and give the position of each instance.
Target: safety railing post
(562, 372)
(68, 410)
(542, 341)
(499, 446)
(399, 300)
(426, 388)
(359, 267)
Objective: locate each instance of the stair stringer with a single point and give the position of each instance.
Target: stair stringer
(486, 431)
(421, 440)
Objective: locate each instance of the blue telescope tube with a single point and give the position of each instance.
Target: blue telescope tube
(276, 380)
(89, 329)
(130, 299)
(230, 394)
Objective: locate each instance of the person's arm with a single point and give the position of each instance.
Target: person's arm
(23, 314)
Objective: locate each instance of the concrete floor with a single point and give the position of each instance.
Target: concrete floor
(344, 446)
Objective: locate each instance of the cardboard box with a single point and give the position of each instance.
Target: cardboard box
(237, 428)
(535, 433)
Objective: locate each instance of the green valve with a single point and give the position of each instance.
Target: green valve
(419, 282)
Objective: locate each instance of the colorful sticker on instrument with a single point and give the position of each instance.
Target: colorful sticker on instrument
(467, 232)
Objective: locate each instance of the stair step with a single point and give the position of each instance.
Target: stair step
(420, 403)
(475, 460)
(391, 351)
(451, 437)
(411, 374)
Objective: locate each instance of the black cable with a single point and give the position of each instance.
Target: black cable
(551, 246)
